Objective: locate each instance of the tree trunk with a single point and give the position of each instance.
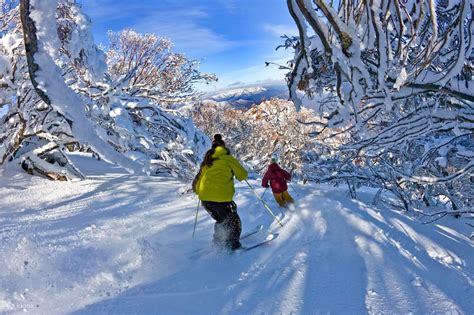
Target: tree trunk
(31, 47)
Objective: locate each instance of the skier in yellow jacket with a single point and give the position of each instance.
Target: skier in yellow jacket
(214, 184)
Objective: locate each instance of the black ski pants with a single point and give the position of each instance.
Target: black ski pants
(228, 226)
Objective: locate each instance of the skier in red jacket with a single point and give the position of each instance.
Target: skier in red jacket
(278, 178)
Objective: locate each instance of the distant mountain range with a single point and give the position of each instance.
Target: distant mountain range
(245, 97)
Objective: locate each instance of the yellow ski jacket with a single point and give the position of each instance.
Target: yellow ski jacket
(216, 183)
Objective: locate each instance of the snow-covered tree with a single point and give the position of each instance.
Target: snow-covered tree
(154, 71)
(395, 78)
(30, 128)
(271, 128)
(55, 97)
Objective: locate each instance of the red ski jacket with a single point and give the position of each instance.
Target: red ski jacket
(277, 177)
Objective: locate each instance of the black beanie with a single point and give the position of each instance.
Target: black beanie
(218, 141)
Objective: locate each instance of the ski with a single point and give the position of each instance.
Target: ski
(204, 251)
(269, 238)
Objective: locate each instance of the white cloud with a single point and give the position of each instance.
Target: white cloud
(237, 83)
(280, 29)
(180, 23)
(105, 10)
(185, 32)
(258, 73)
(255, 74)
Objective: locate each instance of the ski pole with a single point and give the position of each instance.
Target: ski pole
(265, 204)
(297, 194)
(264, 192)
(196, 219)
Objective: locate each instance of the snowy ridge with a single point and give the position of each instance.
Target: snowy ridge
(121, 244)
(238, 93)
(244, 97)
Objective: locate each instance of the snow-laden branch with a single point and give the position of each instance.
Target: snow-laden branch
(393, 84)
(39, 25)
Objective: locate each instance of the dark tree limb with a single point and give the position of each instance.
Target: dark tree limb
(31, 47)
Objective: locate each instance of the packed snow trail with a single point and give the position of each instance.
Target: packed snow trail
(119, 244)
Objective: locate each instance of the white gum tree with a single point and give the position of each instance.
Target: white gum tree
(396, 78)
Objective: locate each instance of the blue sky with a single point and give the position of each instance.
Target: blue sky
(232, 38)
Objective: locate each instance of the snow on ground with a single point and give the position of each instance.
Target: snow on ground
(118, 244)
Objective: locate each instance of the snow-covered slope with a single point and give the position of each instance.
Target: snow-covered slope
(118, 244)
(244, 97)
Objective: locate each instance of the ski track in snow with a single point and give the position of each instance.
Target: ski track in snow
(118, 244)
